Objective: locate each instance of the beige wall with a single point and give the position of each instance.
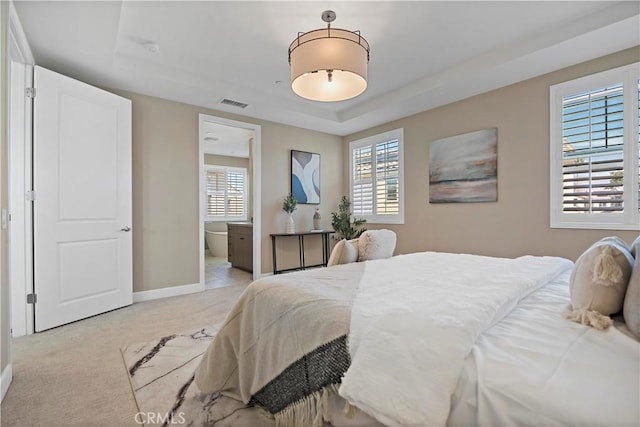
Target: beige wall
(236, 162)
(5, 330)
(165, 186)
(519, 222)
(276, 184)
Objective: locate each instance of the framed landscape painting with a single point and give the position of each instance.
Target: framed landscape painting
(464, 168)
(305, 177)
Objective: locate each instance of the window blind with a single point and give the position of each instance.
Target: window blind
(215, 193)
(593, 151)
(387, 178)
(362, 181)
(376, 163)
(235, 193)
(226, 193)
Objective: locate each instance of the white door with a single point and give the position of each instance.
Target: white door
(82, 207)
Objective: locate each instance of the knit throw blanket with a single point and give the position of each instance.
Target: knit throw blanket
(283, 346)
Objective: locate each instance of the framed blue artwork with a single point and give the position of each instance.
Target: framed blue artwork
(305, 177)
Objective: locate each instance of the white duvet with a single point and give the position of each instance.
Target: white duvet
(411, 331)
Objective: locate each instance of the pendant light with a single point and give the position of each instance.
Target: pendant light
(329, 64)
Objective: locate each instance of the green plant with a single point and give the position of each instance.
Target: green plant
(342, 224)
(289, 204)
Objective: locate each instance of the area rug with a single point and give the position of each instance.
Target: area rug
(161, 374)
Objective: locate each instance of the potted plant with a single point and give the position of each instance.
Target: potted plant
(289, 205)
(342, 223)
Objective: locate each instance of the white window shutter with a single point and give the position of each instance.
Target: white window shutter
(595, 151)
(226, 190)
(376, 178)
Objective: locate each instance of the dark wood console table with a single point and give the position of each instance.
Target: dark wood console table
(300, 236)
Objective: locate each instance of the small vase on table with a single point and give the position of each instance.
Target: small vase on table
(291, 225)
(316, 219)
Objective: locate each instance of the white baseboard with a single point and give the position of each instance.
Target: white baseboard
(5, 380)
(171, 291)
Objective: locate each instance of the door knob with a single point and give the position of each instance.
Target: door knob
(126, 228)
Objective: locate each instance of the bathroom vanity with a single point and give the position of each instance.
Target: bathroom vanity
(240, 245)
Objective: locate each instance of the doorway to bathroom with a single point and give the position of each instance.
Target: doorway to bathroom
(229, 175)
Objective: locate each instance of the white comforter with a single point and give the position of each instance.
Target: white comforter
(411, 333)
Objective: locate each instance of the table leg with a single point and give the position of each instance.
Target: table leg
(324, 250)
(273, 250)
(302, 263)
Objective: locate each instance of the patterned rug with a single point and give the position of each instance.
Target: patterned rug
(161, 374)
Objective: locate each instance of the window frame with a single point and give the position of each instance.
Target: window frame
(372, 141)
(226, 169)
(629, 219)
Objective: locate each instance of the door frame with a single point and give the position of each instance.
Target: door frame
(256, 154)
(20, 173)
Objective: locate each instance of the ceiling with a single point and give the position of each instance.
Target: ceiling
(225, 140)
(423, 53)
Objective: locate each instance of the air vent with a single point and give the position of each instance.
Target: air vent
(233, 103)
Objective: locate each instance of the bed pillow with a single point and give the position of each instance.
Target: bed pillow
(631, 307)
(344, 252)
(635, 247)
(598, 283)
(376, 244)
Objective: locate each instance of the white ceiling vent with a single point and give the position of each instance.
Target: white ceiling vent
(233, 103)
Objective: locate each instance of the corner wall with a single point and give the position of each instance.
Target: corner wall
(518, 223)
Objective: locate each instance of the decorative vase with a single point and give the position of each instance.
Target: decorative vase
(291, 225)
(316, 219)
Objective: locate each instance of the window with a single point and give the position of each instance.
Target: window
(595, 151)
(375, 176)
(226, 190)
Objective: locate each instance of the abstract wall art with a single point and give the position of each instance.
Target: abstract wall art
(464, 168)
(305, 177)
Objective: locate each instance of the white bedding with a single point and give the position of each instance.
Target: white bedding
(536, 368)
(416, 318)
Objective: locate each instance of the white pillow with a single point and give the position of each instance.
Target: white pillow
(376, 244)
(635, 247)
(344, 252)
(631, 307)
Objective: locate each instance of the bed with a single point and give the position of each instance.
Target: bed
(423, 339)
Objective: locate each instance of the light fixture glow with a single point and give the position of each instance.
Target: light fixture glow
(329, 64)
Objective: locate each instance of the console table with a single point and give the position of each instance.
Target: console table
(300, 236)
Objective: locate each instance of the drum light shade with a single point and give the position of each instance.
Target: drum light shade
(329, 64)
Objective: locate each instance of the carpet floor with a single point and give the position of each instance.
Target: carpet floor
(74, 376)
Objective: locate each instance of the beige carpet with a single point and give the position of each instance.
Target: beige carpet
(74, 376)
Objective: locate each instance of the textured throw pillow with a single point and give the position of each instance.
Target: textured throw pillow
(344, 252)
(631, 308)
(376, 244)
(598, 283)
(336, 253)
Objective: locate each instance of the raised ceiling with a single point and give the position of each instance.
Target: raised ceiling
(423, 54)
